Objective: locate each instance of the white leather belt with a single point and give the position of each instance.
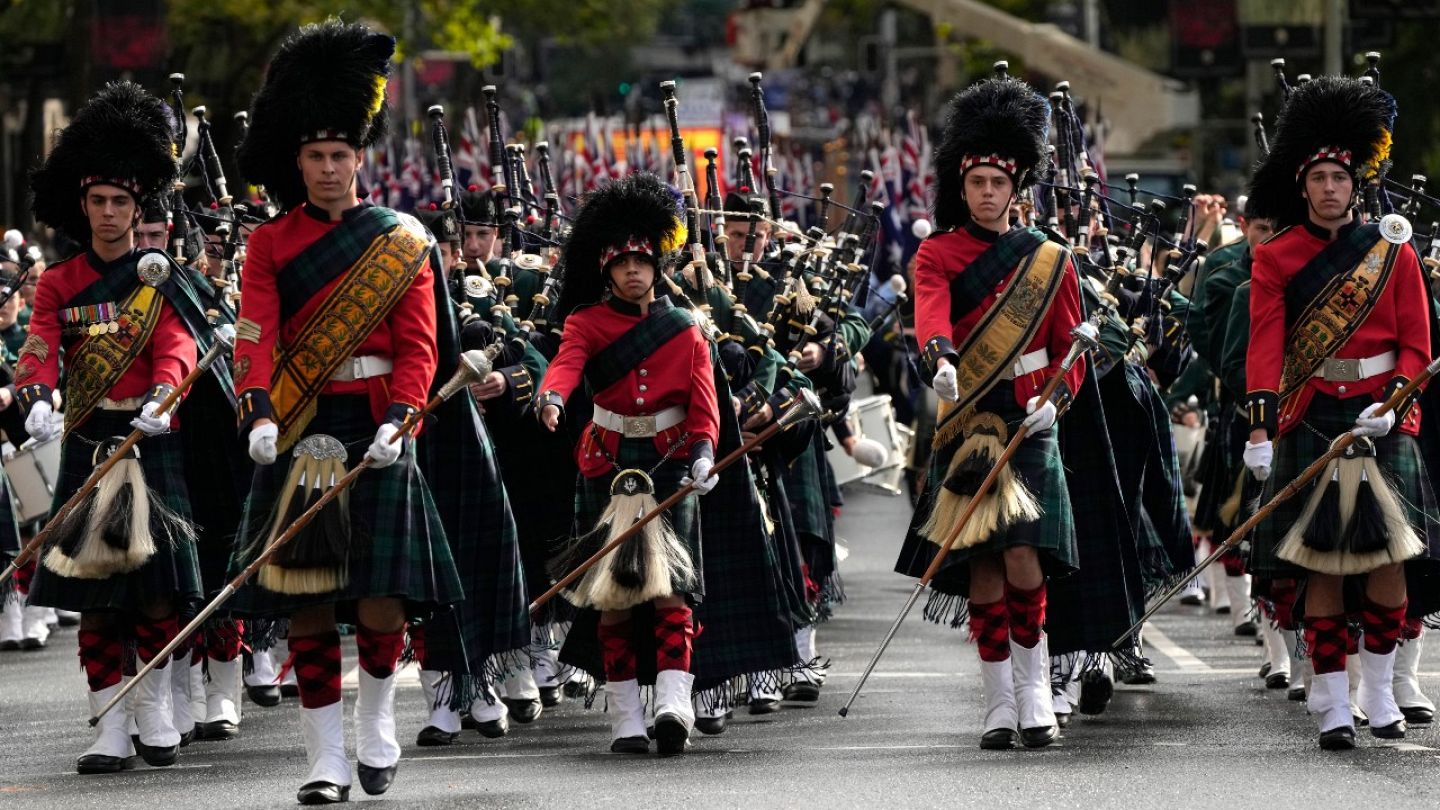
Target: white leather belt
(362, 368)
(1356, 368)
(639, 427)
(127, 404)
(1028, 364)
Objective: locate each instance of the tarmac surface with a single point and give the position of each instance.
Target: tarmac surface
(1207, 735)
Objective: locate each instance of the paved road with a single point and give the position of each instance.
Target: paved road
(1207, 735)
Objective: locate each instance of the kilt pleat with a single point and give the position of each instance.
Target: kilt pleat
(1398, 454)
(1092, 607)
(459, 462)
(397, 545)
(173, 572)
(218, 470)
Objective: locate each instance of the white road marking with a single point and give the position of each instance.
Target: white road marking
(1154, 637)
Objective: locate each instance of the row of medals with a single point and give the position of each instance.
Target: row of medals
(95, 329)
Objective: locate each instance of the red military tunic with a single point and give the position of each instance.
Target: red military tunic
(677, 373)
(944, 256)
(167, 357)
(1399, 322)
(406, 336)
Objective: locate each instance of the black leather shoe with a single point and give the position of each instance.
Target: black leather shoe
(1247, 629)
(186, 737)
(430, 736)
(1192, 600)
(1140, 677)
(763, 706)
(1265, 669)
(1418, 715)
(9, 645)
(492, 729)
(576, 689)
(671, 736)
(1338, 739)
(999, 739)
(322, 793)
(1062, 719)
(802, 692)
(1296, 692)
(32, 644)
(266, 696)
(217, 730)
(375, 781)
(290, 690)
(1394, 731)
(1096, 689)
(551, 696)
(1039, 737)
(1277, 680)
(523, 710)
(157, 756)
(630, 745)
(99, 763)
(711, 725)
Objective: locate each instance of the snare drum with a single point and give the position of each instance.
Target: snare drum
(873, 418)
(33, 470)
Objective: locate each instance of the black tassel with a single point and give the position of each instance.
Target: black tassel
(568, 554)
(322, 544)
(1323, 533)
(967, 476)
(629, 568)
(116, 529)
(70, 534)
(1366, 533)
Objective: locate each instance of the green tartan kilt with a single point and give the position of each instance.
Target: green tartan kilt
(1037, 463)
(1398, 454)
(174, 571)
(592, 495)
(397, 545)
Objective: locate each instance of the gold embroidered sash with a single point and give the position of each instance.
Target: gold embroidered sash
(99, 361)
(1331, 317)
(1001, 336)
(353, 309)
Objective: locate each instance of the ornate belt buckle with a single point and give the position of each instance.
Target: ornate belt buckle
(1338, 370)
(637, 427)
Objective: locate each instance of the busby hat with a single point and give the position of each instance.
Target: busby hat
(121, 138)
(156, 207)
(326, 83)
(1329, 118)
(1000, 123)
(636, 214)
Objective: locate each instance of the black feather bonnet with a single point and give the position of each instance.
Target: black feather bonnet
(326, 83)
(122, 137)
(1329, 118)
(1001, 123)
(636, 214)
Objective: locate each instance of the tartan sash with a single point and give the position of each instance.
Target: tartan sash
(612, 363)
(99, 360)
(365, 295)
(329, 256)
(1003, 332)
(1329, 299)
(983, 275)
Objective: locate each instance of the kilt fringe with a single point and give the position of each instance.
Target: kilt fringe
(458, 691)
(947, 608)
(832, 595)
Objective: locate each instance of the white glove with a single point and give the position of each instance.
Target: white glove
(262, 443)
(945, 384)
(40, 424)
(384, 452)
(1041, 418)
(1258, 458)
(700, 474)
(150, 423)
(1368, 424)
